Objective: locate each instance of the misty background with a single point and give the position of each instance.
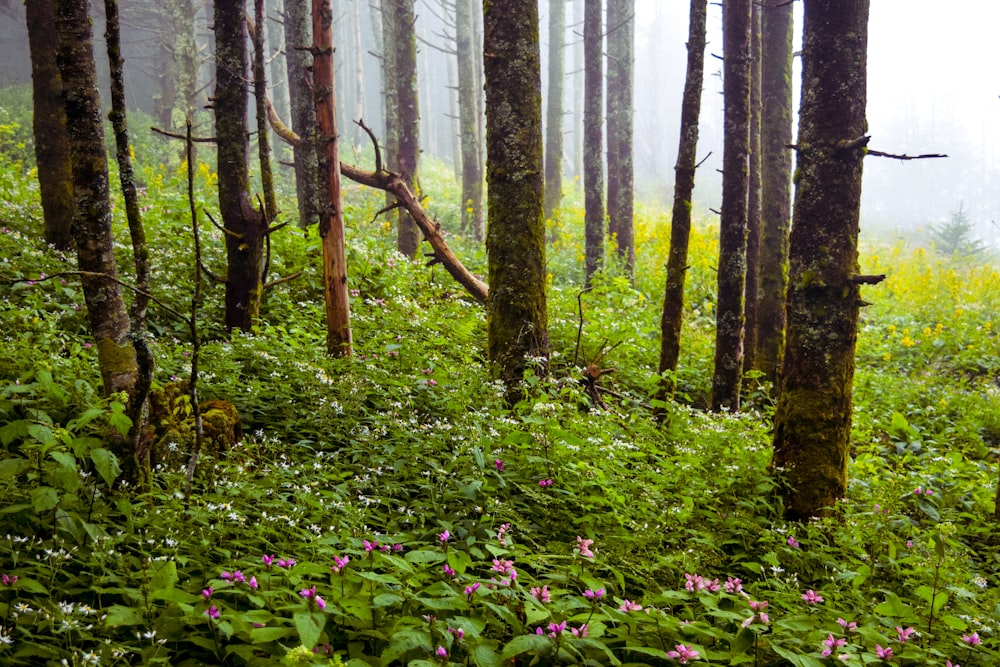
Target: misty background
(933, 87)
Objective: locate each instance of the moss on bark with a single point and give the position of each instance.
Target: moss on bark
(468, 56)
(516, 313)
(554, 109)
(593, 144)
(621, 38)
(404, 57)
(813, 414)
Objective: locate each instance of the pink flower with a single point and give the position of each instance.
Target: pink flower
(252, 583)
(582, 631)
(733, 585)
(499, 464)
(792, 542)
(973, 639)
(441, 652)
(541, 594)
(502, 534)
(448, 570)
(883, 653)
(583, 546)
(902, 635)
(458, 632)
(949, 663)
(470, 590)
(544, 483)
(594, 595)
(694, 582)
(212, 612)
(370, 546)
(682, 654)
(832, 644)
(757, 606)
(849, 627)
(207, 592)
(556, 629)
(339, 563)
(628, 605)
(287, 563)
(320, 602)
(444, 537)
(812, 597)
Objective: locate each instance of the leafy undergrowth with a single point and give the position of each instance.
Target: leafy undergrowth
(392, 509)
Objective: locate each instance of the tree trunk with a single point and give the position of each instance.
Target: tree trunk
(359, 74)
(516, 314)
(106, 314)
(468, 52)
(389, 84)
(277, 72)
(135, 458)
(680, 222)
(52, 154)
(244, 226)
(813, 415)
(733, 223)
(260, 99)
(331, 229)
(554, 112)
(621, 50)
(776, 181)
(300, 94)
(753, 197)
(593, 121)
(404, 47)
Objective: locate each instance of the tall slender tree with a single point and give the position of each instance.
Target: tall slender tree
(260, 99)
(244, 226)
(776, 182)
(52, 152)
(812, 421)
(331, 226)
(593, 140)
(407, 111)
(680, 220)
(733, 225)
(621, 57)
(468, 53)
(300, 92)
(516, 312)
(106, 312)
(752, 290)
(554, 110)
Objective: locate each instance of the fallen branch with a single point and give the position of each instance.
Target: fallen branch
(925, 156)
(397, 187)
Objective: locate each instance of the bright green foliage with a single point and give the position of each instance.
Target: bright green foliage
(401, 445)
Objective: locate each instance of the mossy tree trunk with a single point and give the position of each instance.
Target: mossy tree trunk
(331, 228)
(621, 56)
(733, 224)
(404, 47)
(135, 458)
(389, 85)
(468, 57)
(244, 226)
(516, 313)
(593, 136)
(776, 184)
(260, 104)
(106, 313)
(680, 220)
(813, 414)
(554, 111)
(752, 289)
(52, 153)
(299, 64)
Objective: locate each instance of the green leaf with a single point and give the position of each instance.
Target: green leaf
(44, 498)
(42, 434)
(31, 586)
(403, 642)
(386, 599)
(119, 615)
(309, 626)
(955, 623)
(12, 431)
(743, 641)
(264, 635)
(525, 643)
(12, 467)
(795, 658)
(424, 556)
(106, 464)
(485, 655)
(165, 577)
(65, 459)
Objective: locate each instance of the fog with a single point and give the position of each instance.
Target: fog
(934, 87)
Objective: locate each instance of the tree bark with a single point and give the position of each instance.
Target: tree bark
(260, 100)
(680, 222)
(303, 118)
(593, 149)
(752, 288)
(733, 224)
(244, 226)
(621, 57)
(106, 314)
(813, 414)
(468, 52)
(407, 112)
(331, 228)
(776, 181)
(516, 313)
(52, 153)
(554, 111)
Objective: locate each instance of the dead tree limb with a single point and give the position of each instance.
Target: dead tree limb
(394, 184)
